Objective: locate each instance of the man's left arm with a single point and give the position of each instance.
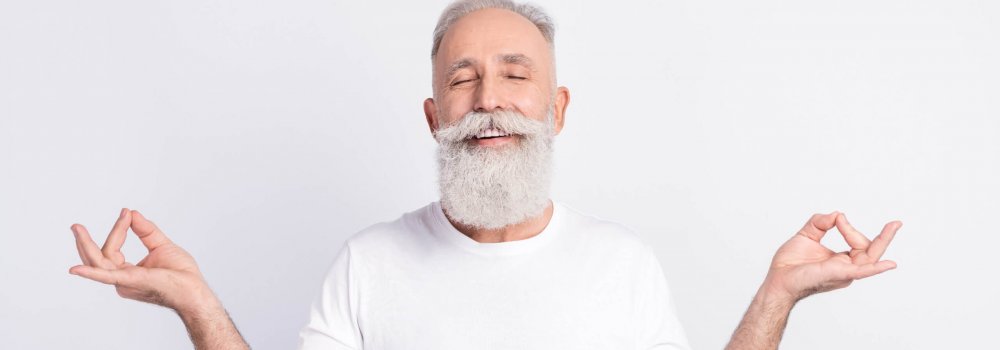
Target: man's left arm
(802, 267)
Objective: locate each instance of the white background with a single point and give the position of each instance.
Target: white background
(261, 134)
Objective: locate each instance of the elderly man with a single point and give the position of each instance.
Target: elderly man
(495, 263)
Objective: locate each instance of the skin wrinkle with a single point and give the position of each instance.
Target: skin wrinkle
(464, 41)
(457, 66)
(507, 59)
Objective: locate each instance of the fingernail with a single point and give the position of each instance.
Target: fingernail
(122, 215)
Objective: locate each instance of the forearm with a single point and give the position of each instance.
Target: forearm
(764, 321)
(210, 327)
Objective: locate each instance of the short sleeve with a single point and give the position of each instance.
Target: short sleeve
(660, 328)
(333, 321)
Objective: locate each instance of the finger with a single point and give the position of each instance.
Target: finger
(868, 270)
(150, 235)
(855, 239)
(90, 252)
(112, 277)
(79, 247)
(113, 245)
(818, 224)
(881, 243)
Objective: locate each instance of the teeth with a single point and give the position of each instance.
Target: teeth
(490, 133)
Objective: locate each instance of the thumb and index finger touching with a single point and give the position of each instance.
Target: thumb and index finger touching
(819, 224)
(150, 235)
(869, 265)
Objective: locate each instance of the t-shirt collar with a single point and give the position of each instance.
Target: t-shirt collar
(443, 229)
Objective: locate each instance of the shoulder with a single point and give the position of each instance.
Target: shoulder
(393, 236)
(608, 235)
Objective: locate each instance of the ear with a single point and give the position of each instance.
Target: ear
(430, 113)
(562, 101)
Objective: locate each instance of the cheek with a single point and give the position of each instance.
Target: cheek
(532, 103)
(453, 108)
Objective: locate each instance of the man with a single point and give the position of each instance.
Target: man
(495, 263)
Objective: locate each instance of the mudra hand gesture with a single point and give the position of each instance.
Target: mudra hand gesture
(803, 266)
(167, 276)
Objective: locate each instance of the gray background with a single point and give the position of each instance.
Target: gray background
(261, 134)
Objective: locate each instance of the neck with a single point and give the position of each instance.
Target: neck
(513, 232)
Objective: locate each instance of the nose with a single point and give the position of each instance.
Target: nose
(489, 96)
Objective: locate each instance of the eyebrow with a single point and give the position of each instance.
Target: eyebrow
(509, 58)
(459, 65)
(518, 59)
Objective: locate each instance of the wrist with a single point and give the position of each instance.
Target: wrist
(199, 302)
(764, 322)
(207, 322)
(772, 293)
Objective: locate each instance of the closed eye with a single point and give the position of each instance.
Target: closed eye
(516, 77)
(459, 82)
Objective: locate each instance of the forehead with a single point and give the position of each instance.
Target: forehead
(484, 34)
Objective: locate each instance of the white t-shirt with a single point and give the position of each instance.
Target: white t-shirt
(419, 283)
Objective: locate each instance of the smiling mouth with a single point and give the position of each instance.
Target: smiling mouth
(490, 133)
(492, 138)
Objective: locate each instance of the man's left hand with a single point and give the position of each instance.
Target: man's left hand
(803, 266)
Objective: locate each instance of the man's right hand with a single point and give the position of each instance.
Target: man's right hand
(167, 276)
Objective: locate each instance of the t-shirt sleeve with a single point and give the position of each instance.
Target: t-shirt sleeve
(333, 321)
(660, 328)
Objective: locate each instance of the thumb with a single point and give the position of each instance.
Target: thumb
(150, 235)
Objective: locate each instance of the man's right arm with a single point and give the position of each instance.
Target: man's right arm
(168, 276)
(210, 326)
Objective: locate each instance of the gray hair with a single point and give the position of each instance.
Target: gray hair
(460, 8)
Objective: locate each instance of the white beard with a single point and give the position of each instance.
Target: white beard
(493, 187)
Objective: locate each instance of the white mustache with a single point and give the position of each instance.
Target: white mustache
(496, 123)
